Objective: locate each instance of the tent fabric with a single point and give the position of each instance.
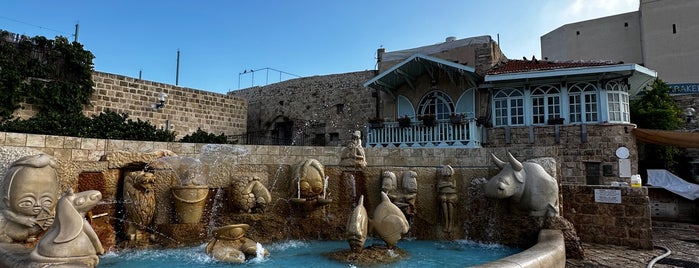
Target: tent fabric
(668, 137)
(672, 183)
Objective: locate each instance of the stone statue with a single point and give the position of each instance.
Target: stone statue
(448, 196)
(231, 245)
(389, 186)
(527, 185)
(410, 191)
(71, 241)
(357, 226)
(249, 194)
(353, 153)
(404, 198)
(311, 183)
(139, 202)
(29, 193)
(388, 222)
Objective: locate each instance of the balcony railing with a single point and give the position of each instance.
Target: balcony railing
(465, 134)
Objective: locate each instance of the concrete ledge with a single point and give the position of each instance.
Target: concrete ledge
(549, 251)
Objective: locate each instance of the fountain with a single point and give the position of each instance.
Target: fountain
(241, 211)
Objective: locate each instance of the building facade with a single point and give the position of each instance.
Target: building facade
(661, 35)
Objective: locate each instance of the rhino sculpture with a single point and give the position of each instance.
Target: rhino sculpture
(527, 185)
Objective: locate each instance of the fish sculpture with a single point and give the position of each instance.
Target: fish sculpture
(357, 226)
(388, 222)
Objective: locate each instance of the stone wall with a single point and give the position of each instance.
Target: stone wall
(324, 109)
(625, 224)
(79, 157)
(577, 151)
(85, 149)
(185, 110)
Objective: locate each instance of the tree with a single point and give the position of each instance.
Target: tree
(657, 110)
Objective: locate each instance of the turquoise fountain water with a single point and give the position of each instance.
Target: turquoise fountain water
(296, 253)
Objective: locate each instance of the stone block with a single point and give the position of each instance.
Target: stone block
(55, 141)
(34, 140)
(15, 139)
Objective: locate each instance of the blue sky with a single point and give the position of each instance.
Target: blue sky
(220, 39)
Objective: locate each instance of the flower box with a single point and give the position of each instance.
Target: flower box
(457, 119)
(428, 120)
(403, 121)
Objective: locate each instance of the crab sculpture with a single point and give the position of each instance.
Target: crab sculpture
(310, 184)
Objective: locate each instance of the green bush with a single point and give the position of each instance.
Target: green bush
(106, 125)
(201, 136)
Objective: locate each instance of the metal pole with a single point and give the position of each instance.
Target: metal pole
(77, 29)
(177, 72)
(140, 72)
(252, 83)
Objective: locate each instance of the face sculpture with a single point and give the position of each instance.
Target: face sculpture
(388, 181)
(32, 194)
(29, 194)
(410, 182)
(31, 188)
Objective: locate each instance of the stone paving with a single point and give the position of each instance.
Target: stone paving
(681, 239)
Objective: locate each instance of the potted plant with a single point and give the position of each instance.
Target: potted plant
(457, 118)
(376, 122)
(428, 120)
(403, 121)
(556, 121)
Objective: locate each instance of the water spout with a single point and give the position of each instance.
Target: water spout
(325, 187)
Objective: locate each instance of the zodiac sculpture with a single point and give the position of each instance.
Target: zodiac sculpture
(388, 222)
(310, 182)
(527, 185)
(447, 196)
(139, 202)
(29, 195)
(404, 198)
(71, 241)
(357, 226)
(249, 194)
(353, 153)
(231, 245)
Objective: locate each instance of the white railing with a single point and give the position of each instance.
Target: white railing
(444, 134)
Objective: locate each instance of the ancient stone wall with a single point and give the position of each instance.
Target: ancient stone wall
(185, 109)
(320, 110)
(625, 224)
(577, 151)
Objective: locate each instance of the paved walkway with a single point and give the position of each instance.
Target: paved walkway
(681, 239)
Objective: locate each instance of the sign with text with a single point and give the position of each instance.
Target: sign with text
(686, 88)
(608, 196)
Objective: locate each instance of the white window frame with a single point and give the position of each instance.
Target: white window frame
(618, 102)
(545, 104)
(583, 101)
(508, 107)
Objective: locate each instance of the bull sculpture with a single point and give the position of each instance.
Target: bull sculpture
(529, 188)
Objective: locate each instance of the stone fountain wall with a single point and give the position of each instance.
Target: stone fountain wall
(91, 164)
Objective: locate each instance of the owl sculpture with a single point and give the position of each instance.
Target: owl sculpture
(139, 202)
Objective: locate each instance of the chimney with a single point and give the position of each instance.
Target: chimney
(379, 54)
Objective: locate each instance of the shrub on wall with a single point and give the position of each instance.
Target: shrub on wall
(201, 136)
(53, 75)
(106, 125)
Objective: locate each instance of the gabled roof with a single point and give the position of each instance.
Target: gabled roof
(407, 71)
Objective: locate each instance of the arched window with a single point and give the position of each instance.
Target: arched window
(582, 98)
(546, 104)
(618, 101)
(508, 107)
(437, 103)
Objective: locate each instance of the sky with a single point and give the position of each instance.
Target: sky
(221, 41)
